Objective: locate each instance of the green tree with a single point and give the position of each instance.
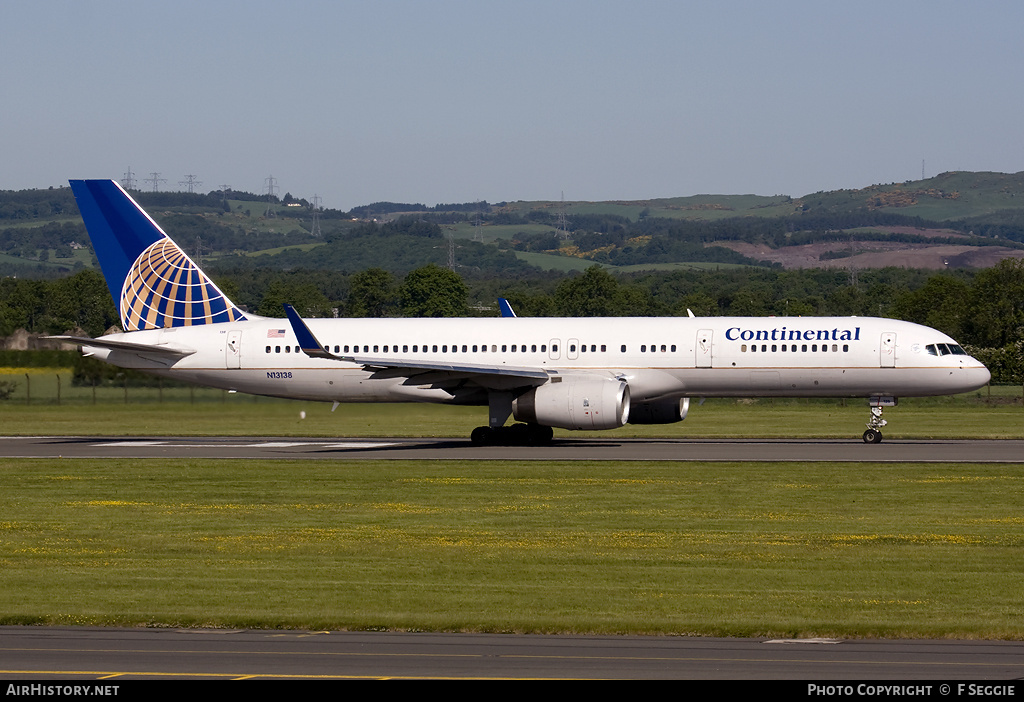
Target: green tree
(306, 298)
(940, 304)
(593, 294)
(82, 300)
(432, 291)
(372, 293)
(996, 316)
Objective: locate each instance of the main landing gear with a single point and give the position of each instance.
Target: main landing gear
(873, 435)
(499, 404)
(515, 435)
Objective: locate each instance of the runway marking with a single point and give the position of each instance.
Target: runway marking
(135, 443)
(250, 444)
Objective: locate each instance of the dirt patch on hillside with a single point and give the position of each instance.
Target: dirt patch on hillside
(877, 254)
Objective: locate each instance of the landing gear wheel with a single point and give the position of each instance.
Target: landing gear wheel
(515, 435)
(539, 435)
(874, 433)
(481, 436)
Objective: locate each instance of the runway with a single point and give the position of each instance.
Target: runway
(123, 655)
(584, 449)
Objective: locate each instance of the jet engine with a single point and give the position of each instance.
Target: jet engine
(662, 412)
(575, 403)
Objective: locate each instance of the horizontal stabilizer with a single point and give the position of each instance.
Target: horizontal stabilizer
(148, 349)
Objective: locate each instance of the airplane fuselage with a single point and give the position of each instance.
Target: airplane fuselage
(659, 358)
(578, 373)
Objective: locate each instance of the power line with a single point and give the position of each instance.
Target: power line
(563, 225)
(315, 230)
(271, 191)
(154, 179)
(190, 182)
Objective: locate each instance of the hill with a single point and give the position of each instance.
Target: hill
(957, 219)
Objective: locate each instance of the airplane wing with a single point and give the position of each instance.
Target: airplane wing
(158, 350)
(397, 367)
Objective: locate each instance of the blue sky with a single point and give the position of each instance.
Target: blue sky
(451, 101)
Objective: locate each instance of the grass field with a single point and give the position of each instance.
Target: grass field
(553, 262)
(723, 549)
(752, 549)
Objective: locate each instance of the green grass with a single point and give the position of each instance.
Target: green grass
(491, 233)
(554, 262)
(681, 266)
(706, 207)
(279, 249)
(723, 549)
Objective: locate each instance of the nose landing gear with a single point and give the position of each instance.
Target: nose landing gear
(873, 435)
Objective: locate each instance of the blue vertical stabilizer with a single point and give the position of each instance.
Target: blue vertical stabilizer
(153, 283)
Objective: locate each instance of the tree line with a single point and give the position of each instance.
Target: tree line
(983, 309)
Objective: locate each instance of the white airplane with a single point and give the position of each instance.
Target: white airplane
(575, 373)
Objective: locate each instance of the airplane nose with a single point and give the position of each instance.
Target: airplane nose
(977, 376)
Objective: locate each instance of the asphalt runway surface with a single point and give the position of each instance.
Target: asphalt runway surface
(113, 655)
(583, 449)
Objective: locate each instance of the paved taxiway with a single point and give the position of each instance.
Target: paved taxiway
(584, 449)
(81, 653)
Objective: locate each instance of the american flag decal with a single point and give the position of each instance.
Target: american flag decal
(275, 333)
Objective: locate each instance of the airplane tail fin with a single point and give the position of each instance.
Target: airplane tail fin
(153, 282)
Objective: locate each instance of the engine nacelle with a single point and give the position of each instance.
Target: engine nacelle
(575, 403)
(663, 412)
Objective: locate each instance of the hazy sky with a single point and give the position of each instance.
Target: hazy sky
(450, 101)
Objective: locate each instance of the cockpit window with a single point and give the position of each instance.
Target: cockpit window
(945, 350)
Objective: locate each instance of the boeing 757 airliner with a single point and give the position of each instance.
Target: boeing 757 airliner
(575, 373)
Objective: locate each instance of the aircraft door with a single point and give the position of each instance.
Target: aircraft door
(233, 350)
(703, 349)
(553, 350)
(887, 350)
(572, 350)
